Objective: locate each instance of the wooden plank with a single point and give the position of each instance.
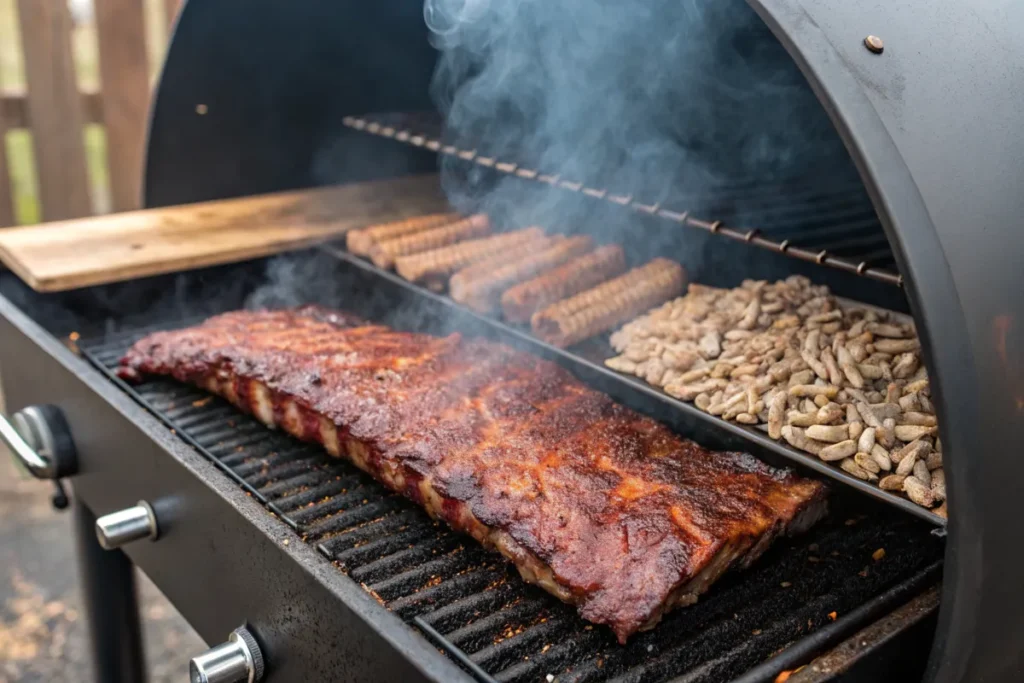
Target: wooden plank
(172, 7)
(89, 251)
(55, 108)
(124, 74)
(6, 190)
(14, 107)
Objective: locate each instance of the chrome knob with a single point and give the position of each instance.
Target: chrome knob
(237, 661)
(124, 526)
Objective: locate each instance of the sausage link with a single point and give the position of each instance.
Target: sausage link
(481, 285)
(434, 267)
(520, 302)
(607, 305)
(361, 241)
(384, 254)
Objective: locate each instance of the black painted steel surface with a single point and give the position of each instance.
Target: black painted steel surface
(934, 125)
(276, 78)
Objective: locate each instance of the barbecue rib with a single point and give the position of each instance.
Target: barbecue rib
(601, 506)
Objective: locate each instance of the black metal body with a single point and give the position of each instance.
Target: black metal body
(932, 125)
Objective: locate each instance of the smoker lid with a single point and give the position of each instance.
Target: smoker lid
(933, 123)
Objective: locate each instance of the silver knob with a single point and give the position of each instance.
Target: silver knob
(124, 526)
(237, 661)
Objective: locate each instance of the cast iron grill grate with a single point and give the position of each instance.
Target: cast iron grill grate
(476, 608)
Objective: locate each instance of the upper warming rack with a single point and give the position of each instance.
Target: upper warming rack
(867, 256)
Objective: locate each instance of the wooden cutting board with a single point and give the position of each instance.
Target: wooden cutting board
(70, 254)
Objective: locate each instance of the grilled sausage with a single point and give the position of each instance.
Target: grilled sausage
(481, 285)
(520, 302)
(607, 305)
(434, 267)
(362, 241)
(384, 254)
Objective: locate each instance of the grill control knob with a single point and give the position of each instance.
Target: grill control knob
(237, 661)
(124, 526)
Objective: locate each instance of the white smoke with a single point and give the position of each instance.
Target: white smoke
(662, 100)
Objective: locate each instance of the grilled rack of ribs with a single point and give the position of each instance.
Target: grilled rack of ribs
(605, 508)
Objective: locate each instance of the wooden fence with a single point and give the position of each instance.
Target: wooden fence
(55, 109)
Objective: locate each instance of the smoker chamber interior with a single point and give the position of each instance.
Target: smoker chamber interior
(469, 601)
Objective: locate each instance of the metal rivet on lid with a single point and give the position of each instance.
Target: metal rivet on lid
(875, 44)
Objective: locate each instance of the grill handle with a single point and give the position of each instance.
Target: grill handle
(39, 466)
(40, 441)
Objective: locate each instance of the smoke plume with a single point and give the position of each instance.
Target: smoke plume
(669, 101)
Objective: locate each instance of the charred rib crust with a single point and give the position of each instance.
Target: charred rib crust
(599, 505)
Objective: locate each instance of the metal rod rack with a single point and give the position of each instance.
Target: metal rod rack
(716, 227)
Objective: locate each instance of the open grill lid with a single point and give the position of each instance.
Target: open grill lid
(931, 123)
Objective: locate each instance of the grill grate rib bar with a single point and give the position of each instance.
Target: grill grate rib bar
(245, 441)
(433, 571)
(388, 524)
(268, 459)
(476, 608)
(225, 412)
(498, 594)
(553, 657)
(373, 509)
(217, 433)
(532, 638)
(453, 652)
(267, 447)
(346, 501)
(744, 639)
(260, 474)
(284, 499)
(408, 558)
(177, 403)
(470, 583)
(381, 549)
(342, 478)
(484, 632)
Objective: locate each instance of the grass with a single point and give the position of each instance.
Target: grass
(18, 145)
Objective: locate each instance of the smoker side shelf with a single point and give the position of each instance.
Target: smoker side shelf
(638, 394)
